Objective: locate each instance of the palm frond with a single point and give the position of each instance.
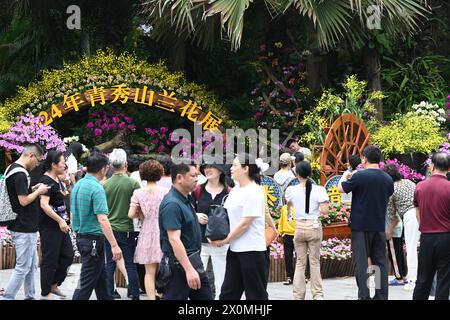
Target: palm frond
(232, 15)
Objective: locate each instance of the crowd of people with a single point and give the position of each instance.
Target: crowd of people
(149, 220)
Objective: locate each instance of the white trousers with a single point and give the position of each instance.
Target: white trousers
(412, 236)
(219, 260)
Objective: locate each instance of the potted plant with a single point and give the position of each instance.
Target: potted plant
(335, 221)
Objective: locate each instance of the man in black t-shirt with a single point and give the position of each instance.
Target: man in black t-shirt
(371, 189)
(24, 228)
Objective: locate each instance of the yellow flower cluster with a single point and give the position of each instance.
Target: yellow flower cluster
(408, 133)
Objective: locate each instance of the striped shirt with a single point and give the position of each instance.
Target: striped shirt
(87, 200)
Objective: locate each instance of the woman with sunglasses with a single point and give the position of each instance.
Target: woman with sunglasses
(56, 245)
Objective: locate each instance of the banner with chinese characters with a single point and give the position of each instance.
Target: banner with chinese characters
(99, 96)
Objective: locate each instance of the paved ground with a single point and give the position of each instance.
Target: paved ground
(334, 289)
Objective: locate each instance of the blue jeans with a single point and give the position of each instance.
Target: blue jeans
(26, 265)
(127, 243)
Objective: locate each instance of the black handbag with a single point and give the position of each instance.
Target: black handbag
(218, 226)
(164, 274)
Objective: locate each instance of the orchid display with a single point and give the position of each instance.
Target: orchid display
(109, 123)
(29, 129)
(160, 139)
(404, 170)
(430, 110)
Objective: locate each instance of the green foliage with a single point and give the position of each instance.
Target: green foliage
(355, 100)
(408, 133)
(412, 82)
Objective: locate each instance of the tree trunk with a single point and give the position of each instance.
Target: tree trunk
(86, 44)
(372, 70)
(316, 64)
(117, 142)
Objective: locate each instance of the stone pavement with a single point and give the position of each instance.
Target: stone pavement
(334, 289)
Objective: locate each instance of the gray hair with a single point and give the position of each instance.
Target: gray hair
(118, 158)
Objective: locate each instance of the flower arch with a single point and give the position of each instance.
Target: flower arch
(106, 69)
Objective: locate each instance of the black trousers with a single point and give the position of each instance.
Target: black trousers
(370, 245)
(288, 244)
(397, 244)
(245, 272)
(178, 288)
(434, 257)
(140, 268)
(93, 271)
(57, 256)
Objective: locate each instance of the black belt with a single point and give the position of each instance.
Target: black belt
(90, 236)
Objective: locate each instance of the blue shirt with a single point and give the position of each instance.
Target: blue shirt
(371, 189)
(88, 199)
(176, 212)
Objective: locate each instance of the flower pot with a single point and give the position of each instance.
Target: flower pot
(336, 229)
(414, 160)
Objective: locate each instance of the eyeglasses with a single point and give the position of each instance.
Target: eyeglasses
(38, 159)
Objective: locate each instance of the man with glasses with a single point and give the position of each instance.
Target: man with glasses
(24, 228)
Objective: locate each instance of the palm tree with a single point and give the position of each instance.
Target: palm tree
(332, 22)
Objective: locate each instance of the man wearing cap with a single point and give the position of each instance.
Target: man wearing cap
(285, 173)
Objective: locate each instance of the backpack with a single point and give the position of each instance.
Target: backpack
(7, 215)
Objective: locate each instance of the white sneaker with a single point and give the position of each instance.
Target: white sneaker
(47, 297)
(410, 285)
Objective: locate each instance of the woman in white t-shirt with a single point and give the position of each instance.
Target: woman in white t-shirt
(246, 262)
(308, 201)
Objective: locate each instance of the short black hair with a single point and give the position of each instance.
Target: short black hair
(133, 163)
(53, 157)
(354, 161)
(291, 141)
(392, 170)
(373, 154)
(299, 156)
(181, 168)
(441, 161)
(76, 149)
(166, 162)
(96, 162)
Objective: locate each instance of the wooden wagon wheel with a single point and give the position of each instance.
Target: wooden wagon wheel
(348, 135)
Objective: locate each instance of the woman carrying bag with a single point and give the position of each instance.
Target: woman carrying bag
(246, 261)
(207, 196)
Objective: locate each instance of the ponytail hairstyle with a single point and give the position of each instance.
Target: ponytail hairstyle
(254, 172)
(303, 170)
